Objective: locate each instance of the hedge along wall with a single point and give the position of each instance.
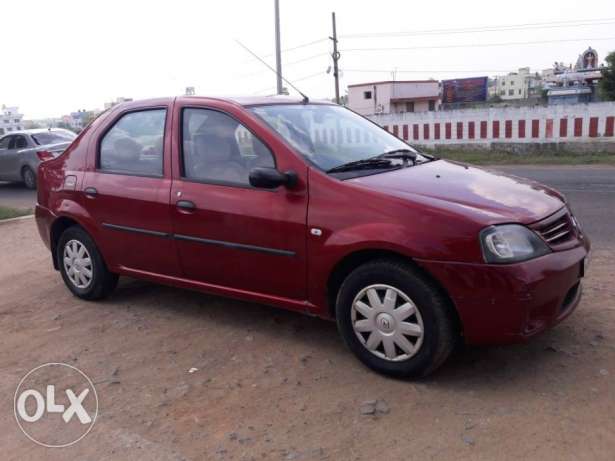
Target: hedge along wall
(586, 123)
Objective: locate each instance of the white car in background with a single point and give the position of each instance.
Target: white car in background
(22, 151)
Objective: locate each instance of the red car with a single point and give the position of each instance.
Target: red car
(311, 207)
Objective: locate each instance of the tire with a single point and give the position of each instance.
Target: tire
(89, 278)
(29, 177)
(406, 301)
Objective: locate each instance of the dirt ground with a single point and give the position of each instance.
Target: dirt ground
(277, 385)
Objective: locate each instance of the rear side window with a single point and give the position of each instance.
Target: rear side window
(134, 145)
(52, 137)
(4, 142)
(217, 148)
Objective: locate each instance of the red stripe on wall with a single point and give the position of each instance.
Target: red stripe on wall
(508, 129)
(459, 130)
(549, 128)
(471, 130)
(610, 126)
(521, 128)
(415, 131)
(426, 131)
(483, 130)
(563, 127)
(447, 130)
(593, 127)
(535, 128)
(496, 129)
(578, 127)
(405, 132)
(436, 131)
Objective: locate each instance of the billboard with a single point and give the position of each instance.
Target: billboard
(464, 90)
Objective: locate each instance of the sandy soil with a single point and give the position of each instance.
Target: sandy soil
(277, 385)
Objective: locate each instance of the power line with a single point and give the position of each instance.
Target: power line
(477, 45)
(306, 77)
(477, 71)
(480, 29)
(304, 45)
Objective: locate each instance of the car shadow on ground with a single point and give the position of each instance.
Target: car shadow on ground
(552, 352)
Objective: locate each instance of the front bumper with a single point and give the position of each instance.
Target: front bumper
(508, 303)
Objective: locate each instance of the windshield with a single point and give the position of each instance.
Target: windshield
(53, 137)
(329, 136)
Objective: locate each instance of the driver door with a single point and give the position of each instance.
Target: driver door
(229, 234)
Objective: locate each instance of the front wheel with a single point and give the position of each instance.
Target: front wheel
(82, 266)
(394, 319)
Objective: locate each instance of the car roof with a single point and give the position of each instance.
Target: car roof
(245, 101)
(35, 131)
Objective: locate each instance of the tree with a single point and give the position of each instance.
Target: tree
(607, 83)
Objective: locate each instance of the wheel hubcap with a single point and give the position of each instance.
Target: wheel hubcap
(387, 322)
(78, 264)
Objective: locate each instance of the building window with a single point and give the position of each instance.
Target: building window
(432, 105)
(16, 120)
(512, 83)
(502, 92)
(367, 95)
(519, 91)
(410, 106)
(511, 92)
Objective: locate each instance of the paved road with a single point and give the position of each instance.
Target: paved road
(16, 195)
(590, 190)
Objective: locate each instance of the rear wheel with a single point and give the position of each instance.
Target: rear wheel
(394, 319)
(82, 267)
(29, 177)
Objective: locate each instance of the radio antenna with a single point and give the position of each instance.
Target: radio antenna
(305, 98)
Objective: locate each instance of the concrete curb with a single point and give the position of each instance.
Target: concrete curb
(20, 218)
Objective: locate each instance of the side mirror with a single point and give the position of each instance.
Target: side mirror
(270, 178)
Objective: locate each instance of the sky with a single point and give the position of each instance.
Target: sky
(66, 55)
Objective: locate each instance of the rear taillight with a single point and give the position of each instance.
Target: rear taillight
(44, 155)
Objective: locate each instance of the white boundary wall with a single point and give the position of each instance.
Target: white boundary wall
(593, 122)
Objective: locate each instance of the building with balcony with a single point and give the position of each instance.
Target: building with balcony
(522, 84)
(10, 119)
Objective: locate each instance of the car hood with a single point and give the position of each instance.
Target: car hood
(495, 196)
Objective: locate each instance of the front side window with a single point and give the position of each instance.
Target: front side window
(216, 148)
(134, 145)
(329, 136)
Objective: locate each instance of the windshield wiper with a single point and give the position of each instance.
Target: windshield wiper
(403, 154)
(368, 163)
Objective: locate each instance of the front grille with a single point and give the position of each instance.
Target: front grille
(557, 228)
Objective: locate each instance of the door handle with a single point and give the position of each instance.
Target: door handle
(90, 192)
(186, 205)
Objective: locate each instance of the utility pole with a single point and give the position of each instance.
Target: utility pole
(278, 51)
(336, 56)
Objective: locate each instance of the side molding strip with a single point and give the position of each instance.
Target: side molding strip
(136, 230)
(238, 246)
(189, 238)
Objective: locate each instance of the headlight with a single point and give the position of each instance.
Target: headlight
(510, 243)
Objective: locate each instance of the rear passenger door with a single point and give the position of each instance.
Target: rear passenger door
(126, 190)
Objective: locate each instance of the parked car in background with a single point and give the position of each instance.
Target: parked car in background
(311, 207)
(21, 152)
